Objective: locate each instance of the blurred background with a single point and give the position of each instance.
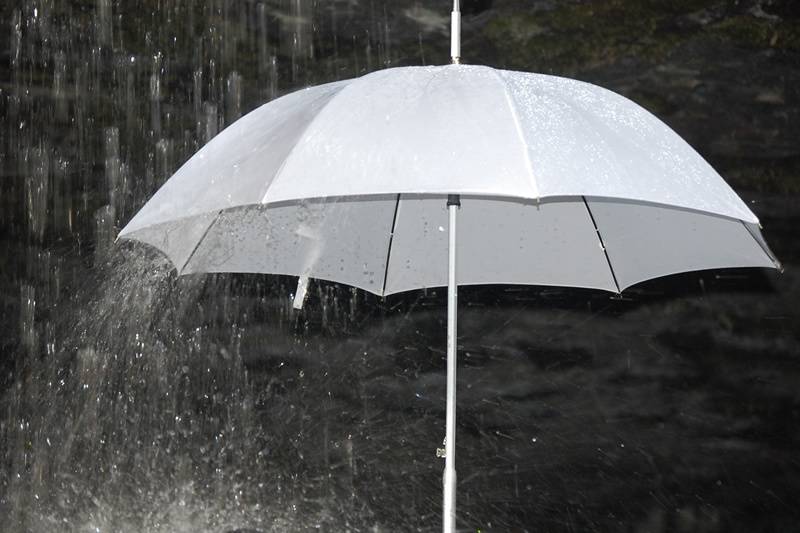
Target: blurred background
(131, 400)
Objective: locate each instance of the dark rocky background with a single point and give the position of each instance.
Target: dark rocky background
(133, 401)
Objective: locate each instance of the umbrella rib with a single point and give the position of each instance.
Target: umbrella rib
(199, 242)
(602, 244)
(297, 143)
(389, 251)
(515, 116)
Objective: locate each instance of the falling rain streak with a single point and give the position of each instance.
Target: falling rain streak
(106, 398)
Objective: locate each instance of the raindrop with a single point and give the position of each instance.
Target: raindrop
(210, 121)
(163, 160)
(59, 81)
(155, 95)
(197, 101)
(16, 37)
(264, 58)
(102, 21)
(37, 185)
(28, 333)
(105, 232)
(273, 78)
(63, 214)
(113, 170)
(233, 97)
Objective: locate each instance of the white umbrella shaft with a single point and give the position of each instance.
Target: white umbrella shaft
(449, 518)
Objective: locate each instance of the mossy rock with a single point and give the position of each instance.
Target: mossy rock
(573, 37)
(753, 32)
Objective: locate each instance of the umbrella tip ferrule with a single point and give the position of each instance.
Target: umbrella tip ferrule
(455, 34)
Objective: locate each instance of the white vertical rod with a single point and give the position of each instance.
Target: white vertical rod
(455, 33)
(449, 516)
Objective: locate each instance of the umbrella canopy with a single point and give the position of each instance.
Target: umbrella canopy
(562, 183)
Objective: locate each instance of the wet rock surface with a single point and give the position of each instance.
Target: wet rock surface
(133, 401)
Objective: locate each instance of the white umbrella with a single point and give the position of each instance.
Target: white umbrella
(559, 182)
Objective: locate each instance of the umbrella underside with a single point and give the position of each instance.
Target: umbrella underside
(393, 243)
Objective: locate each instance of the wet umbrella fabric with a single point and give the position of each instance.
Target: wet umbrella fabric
(560, 183)
(346, 181)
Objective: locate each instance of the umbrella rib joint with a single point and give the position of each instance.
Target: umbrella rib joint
(764, 247)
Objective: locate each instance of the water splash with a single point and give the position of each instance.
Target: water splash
(143, 417)
(127, 403)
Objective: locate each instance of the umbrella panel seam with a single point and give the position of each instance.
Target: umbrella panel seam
(311, 122)
(200, 241)
(512, 108)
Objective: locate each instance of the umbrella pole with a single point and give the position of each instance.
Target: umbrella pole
(449, 489)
